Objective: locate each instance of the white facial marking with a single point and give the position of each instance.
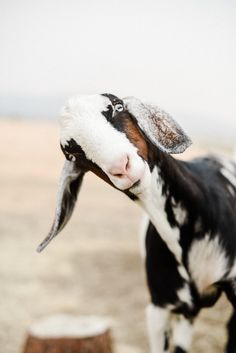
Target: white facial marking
(158, 325)
(83, 121)
(184, 295)
(207, 262)
(182, 333)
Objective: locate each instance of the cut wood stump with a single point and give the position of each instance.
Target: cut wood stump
(69, 334)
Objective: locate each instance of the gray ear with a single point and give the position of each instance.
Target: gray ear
(69, 186)
(158, 126)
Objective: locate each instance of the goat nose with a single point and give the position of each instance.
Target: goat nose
(120, 167)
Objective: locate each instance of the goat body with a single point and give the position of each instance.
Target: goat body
(190, 244)
(190, 241)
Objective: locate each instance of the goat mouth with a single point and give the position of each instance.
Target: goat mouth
(124, 183)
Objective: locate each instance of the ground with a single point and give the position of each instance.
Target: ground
(92, 267)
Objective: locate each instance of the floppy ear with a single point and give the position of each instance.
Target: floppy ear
(158, 126)
(69, 186)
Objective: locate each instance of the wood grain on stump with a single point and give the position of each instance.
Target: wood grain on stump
(69, 334)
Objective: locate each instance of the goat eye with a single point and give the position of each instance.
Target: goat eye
(70, 157)
(119, 107)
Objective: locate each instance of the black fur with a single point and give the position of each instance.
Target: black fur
(167, 342)
(179, 350)
(114, 100)
(231, 345)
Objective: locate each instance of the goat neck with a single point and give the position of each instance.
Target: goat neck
(167, 192)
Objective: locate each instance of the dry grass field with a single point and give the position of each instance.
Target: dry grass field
(93, 267)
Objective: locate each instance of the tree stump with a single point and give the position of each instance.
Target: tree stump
(69, 334)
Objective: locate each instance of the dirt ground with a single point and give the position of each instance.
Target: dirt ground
(93, 267)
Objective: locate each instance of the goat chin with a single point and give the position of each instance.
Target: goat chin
(123, 183)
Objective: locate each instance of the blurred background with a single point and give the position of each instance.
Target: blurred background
(178, 54)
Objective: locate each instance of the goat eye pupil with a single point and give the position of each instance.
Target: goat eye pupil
(119, 107)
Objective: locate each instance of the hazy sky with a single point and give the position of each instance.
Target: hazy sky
(180, 54)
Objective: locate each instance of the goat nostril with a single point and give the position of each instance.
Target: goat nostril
(120, 168)
(127, 164)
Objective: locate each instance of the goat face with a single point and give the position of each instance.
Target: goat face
(96, 134)
(112, 138)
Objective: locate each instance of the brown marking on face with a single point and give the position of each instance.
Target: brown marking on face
(136, 137)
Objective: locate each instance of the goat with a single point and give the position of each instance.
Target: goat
(190, 241)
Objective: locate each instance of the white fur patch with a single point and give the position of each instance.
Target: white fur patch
(228, 170)
(182, 333)
(207, 262)
(153, 201)
(229, 175)
(179, 213)
(158, 325)
(142, 235)
(184, 295)
(183, 273)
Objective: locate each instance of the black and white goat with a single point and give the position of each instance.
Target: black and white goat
(191, 236)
